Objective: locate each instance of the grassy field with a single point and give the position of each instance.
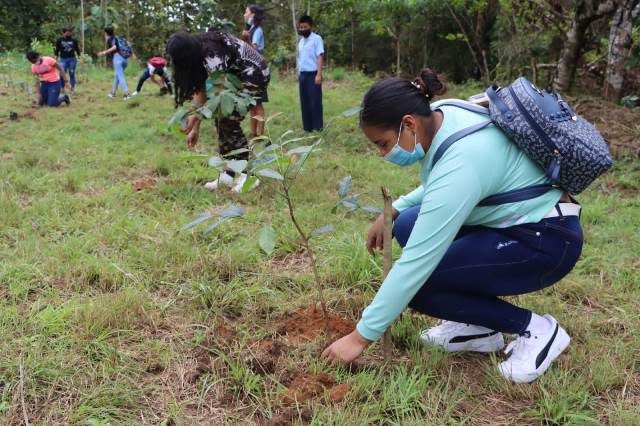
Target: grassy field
(109, 314)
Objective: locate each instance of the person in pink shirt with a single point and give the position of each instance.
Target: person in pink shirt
(52, 78)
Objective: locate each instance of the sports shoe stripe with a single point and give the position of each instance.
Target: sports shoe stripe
(462, 339)
(545, 351)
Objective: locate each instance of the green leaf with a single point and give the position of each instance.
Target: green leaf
(215, 162)
(232, 211)
(323, 230)
(345, 187)
(259, 138)
(213, 226)
(205, 111)
(214, 102)
(270, 173)
(267, 239)
(350, 203)
(178, 117)
(226, 104)
(372, 209)
(237, 166)
(334, 210)
(351, 111)
(301, 150)
(246, 187)
(237, 151)
(233, 79)
(201, 219)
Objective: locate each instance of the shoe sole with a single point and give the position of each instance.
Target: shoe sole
(485, 344)
(561, 343)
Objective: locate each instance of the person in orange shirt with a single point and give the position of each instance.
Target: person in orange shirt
(52, 78)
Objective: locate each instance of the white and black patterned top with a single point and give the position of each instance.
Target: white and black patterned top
(226, 53)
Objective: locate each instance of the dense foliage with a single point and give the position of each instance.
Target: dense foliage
(488, 40)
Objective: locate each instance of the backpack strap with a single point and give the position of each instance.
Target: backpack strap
(456, 137)
(516, 195)
(464, 105)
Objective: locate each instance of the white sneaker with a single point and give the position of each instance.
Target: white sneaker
(127, 97)
(532, 354)
(454, 337)
(111, 95)
(134, 94)
(239, 183)
(223, 179)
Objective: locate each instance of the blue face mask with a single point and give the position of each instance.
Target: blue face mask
(401, 157)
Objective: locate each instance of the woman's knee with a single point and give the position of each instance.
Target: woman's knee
(403, 225)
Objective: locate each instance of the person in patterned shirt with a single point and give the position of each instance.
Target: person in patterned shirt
(193, 58)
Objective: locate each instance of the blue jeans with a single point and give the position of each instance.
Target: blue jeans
(482, 264)
(69, 67)
(310, 101)
(146, 75)
(50, 93)
(119, 65)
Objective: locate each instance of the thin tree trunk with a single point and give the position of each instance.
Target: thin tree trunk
(295, 29)
(398, 55)
(353, 40)
(82, 24)
(620, 43)
(387, 344)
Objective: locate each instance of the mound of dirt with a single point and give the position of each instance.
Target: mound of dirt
(620, 126)
(307, 324)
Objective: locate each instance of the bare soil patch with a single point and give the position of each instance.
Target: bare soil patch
(306, 324)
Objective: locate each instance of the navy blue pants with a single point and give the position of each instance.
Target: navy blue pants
(69, 67)
(310, 101)
(50, 93)
(484, 263)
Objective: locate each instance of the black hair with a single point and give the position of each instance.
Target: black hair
(258, 14)
(305, 19)
(388, 100)
(109, 31)
(186, 54)
(65, 29)
(32, 55)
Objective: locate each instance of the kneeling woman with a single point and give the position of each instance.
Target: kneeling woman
(458, 258)
(193, 57)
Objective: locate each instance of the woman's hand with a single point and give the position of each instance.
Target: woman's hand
(193, 122)
(101, 53)
(192, 138)
(318, 79)
(375, 236)
(347, 348)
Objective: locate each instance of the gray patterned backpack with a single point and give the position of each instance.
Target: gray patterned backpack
(569, 148)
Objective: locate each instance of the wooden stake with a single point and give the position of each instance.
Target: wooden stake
(387, 344)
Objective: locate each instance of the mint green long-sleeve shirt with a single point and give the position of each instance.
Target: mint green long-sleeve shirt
(482, 164)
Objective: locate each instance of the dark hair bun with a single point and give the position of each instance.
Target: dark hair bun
(430, 84)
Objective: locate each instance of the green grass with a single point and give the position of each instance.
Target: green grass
(117, 317)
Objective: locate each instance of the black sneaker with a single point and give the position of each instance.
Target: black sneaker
(66, 99)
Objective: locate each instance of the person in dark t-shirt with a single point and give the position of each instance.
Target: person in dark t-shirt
(66, 50)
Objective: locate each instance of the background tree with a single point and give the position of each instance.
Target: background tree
(620, 43)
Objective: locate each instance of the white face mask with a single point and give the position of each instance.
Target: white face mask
(250, 20)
